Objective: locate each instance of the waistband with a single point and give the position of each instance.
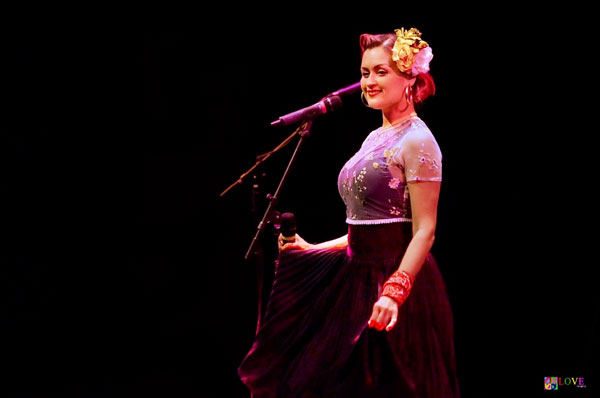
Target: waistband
(379, 241)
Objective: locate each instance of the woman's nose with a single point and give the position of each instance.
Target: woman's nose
(370, 81)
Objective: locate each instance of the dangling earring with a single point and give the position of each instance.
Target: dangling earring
(408, 94)
(363, 99)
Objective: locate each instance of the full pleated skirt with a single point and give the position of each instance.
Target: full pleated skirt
(314, 340)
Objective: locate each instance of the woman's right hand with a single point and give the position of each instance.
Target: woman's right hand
(297, 244)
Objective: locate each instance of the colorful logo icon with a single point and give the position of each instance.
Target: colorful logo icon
(550, 383)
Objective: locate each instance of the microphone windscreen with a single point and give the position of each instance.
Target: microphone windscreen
(288, 225)
(333, 103)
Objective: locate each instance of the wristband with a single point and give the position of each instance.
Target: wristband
(398, 286)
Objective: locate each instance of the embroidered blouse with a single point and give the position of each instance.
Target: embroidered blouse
(374, 182)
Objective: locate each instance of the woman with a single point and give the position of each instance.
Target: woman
(367, 314)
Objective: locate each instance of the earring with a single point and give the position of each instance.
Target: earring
(408, 94)
(363, 99)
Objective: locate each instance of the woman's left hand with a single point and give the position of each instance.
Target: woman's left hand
(385, 314)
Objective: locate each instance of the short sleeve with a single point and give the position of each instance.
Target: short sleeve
(420, 156)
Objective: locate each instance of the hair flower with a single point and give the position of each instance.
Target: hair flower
(421, 61)
(411, 54)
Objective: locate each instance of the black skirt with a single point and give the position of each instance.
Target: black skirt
(314, 340)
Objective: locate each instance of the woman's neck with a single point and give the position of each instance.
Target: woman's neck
(395, 116)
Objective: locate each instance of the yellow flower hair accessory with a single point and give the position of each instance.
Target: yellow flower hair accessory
(411, 54)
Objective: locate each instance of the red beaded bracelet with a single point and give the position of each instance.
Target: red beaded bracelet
(398, 286)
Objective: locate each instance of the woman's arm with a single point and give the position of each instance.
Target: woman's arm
(342, 241)
(301, 244)
(424, 201)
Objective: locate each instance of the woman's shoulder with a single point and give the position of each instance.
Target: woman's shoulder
(415, 133)
(418, 138)
(418, 131)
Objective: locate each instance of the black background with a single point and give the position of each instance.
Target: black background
(123, 269)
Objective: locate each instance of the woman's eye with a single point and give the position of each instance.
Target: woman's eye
(365, 74)
(381, 72)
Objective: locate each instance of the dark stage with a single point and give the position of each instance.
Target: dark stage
(123, 269)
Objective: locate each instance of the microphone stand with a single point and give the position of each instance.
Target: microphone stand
(304, 132)
(271, 215)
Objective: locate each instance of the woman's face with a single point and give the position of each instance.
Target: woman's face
(381, 82)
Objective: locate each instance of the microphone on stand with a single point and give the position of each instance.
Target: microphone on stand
(331, 102)
(327, 104)
(351, 89)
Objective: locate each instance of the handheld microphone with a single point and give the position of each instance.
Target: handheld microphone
(288, 228)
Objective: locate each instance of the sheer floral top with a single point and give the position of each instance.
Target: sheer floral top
(374, 182)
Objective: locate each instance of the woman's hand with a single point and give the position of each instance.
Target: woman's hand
(298, 244)
(385, 314)
(301, 244)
